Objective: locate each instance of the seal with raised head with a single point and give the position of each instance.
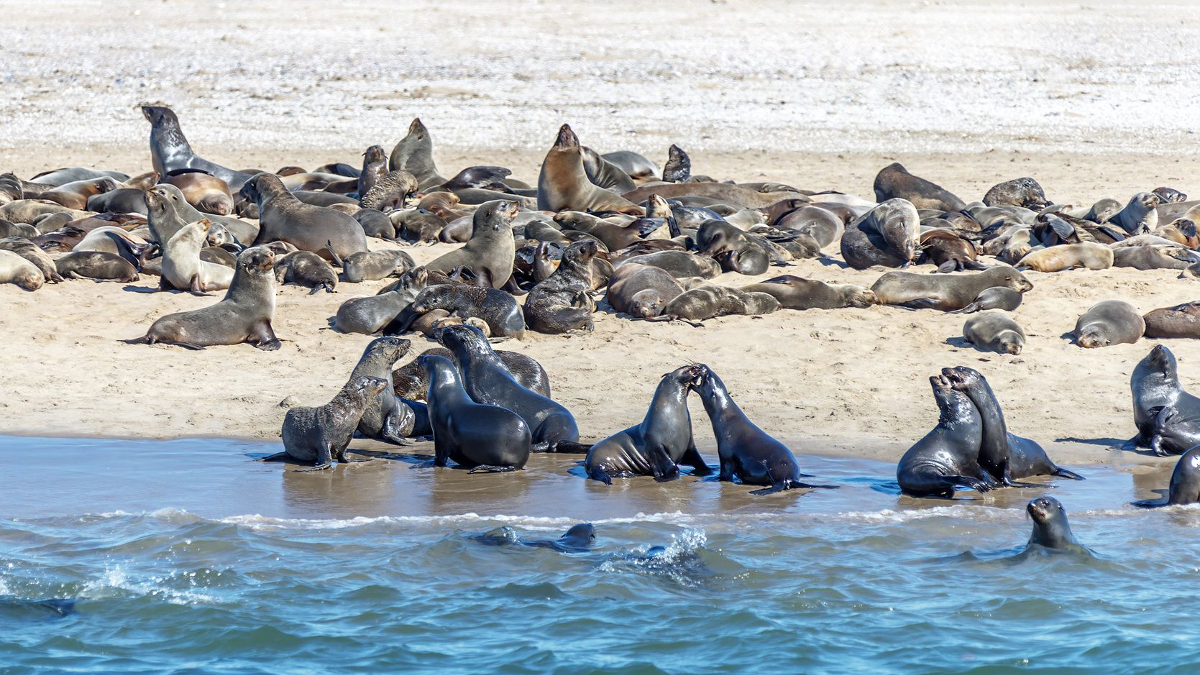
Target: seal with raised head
(745, 451)
(489, 253)
(170, 151)
(1166, 416)
(994, 331)
(1024, 192)
(375, 165)
(182, 267)
(659, 443)
(322, 434)
(411, 383)
(1107, 323)
(894, 181)
(414, 154)
(948, 456)
(796, 293)
(1050, 527)
(996, 297)
(385, 417)
(479, 436)
(563, 302)
(886, 235)
(489, 381)
(244, 315)
(944, 292)
(1002, 454)
(563, 183)
(317, 229)
(1140, 215)
(1185, 483)
(371, 314)
(577, 539)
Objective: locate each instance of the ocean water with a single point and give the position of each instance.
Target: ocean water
(186, 556)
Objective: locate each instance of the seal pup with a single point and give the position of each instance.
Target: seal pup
(641, 291)
(948, 456)
(393, 191)
(16, 270)
(1050, 527)
(1024, 192)
(1155, 257)
(578, 539)
(244, 315)
(678, 167)
(1185, 483)
(385, 418)
(944, 292)
(322, 434)
(375, 165)
(711, 300)
(316, 229)
(746, 452)
(796, 293)
(563, 301)
(414, 154)
(657, 445)
(490, 251)
(737, 251)
(170, 151)
(1107, 323)
(996, 297)
(488, 381)
(1002, 454)
(204, 192)
(374, 265)
(1180, 321)
(306, 268)
(886, 235)
(479, 436)
(99, 265)
(182, 267)
(994, 331)
(1166, 416)
(1169, 195)
(894, 181)
(563, 183)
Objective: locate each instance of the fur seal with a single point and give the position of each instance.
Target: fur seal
(244, 315)
(736, 250)
(15, 269)
(411, 383)
(637, 166)
(385, 417)
(894, 181)
(796, 293)
(317, 229)
(374, 265)
(392, 191)
(479, 436)
(1107, 323)
(944, 292)
(948, 456)
(1003, 455)
(563, 183)
(577, 539)
(170, 151)
(709, 301)
(414, 154)
(322, 434)
(996, 297)
(1024, 192)
(1185, 483)
(1180, 321)
(30, 251)
(96, 265)
(417, 225)
(1050, 527)
(679, 264)
(1166, 416)
(994, 331)
(949, 251)
(488, 381)
(498, 309)
(1155, 257)
(1168, 195)
(490, 251)
(182, 267)
(1086, 254)
(305, 268)
(604, 173)
(659, 443)
(641, 291)
(75, 195)
(886, 235)
(204, 192)
(745, 451)
(371, 314)
(375, 165)
(563, 301)
(823, 225)
(678, 167)
(1140, 215)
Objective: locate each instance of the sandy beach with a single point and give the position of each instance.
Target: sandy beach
(262, 87)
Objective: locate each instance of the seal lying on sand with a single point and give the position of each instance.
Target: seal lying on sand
(944, 292)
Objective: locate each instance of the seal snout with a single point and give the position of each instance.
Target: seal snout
(1042, 508)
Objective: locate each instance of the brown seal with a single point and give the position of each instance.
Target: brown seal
(641, 291)
(710, 301)
(75, 195)
(797, 293)
(944, 292)
(894, 181)
(414, 154)
(563, 183)
(96, 265)
(1180, 321)
(563, 302)
(204, 192)
(17, 270)
(1107, 323)
(318, 229)
(170, 151)
(1086, 254)
(490, 251)
(1024, 192)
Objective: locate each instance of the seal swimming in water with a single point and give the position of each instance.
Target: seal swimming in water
(170, 151)
(488, 381)
(654, 447)
(894, 181)
(942, 291)
(1050, 527)
(1107, 323)
(316, 229)
(745, 451)
(479, 436)
(322, 434)
(1002, 454)
(386, 418)
(994, 331)
(563, 183)
(577, 539)
(244, 315)
(1166, 416)
(948, 456)
(1185, 483)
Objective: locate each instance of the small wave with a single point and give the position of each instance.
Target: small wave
(115, 580)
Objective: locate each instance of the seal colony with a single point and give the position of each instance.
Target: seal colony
(600, 232)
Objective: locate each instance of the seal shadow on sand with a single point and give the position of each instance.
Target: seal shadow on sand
(1121, 444)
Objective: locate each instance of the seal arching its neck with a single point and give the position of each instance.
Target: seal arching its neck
(444, 383)
(670, 398)
(414, 154)
(165, 134)
(717, 403)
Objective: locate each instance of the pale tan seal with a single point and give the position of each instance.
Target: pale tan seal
(1086, 254)
(182, 267)
(16, 270)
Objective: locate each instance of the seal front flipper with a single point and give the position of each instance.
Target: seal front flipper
(1150, 503)
(691, 457)
(596, 473)
(572, 447)
(664, 468)
(277, 457)
(1064, 473)
(920, 303)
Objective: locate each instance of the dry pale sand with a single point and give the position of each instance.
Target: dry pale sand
(966, 95)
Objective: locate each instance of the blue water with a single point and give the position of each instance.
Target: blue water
(188, 557)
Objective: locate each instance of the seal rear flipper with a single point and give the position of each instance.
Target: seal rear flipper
(185, 345)
(812, 486)
(1149, 503)
(337, 261)
(277, 457)
(966, 481)
(920, 303)
(319, 467)
(969, 309)
(572, 447)
(1064, 473)
(767, 491)
(596, 473)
